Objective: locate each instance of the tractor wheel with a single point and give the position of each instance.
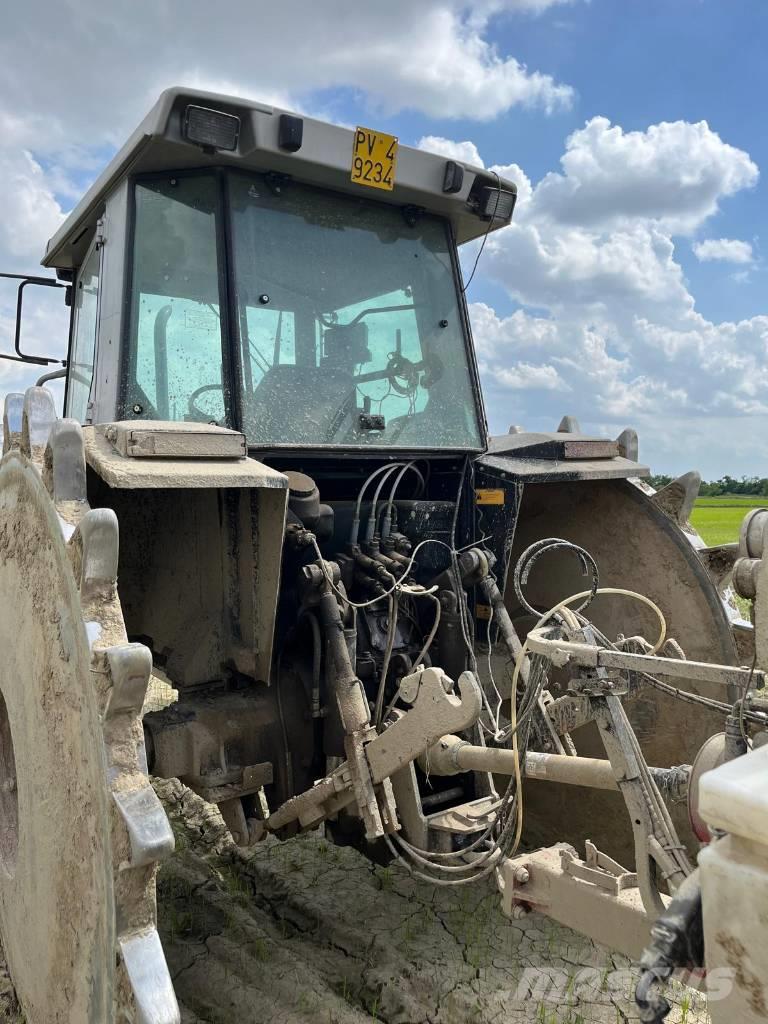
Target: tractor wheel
(81, 829)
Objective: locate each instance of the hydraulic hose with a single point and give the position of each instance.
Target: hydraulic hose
(678, 941)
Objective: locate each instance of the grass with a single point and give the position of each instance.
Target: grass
(719, 520)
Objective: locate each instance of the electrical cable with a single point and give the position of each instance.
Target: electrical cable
(498, 836)
(674, 854)
(397, 585)
(494, 715)
(487, 231)
(435, 624)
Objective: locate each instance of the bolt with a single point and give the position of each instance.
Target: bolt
(312, 573)
(9, 785)
(522, 876)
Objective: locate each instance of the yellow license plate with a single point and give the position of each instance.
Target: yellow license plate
(374, 155)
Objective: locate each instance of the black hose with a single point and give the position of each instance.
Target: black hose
(531, 554)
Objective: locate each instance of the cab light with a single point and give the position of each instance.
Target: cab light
(212, 129)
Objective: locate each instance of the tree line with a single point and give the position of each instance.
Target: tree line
(751, 485)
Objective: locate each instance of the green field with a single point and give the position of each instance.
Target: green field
(718, 520)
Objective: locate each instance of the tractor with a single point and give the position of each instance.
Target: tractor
(272, 498)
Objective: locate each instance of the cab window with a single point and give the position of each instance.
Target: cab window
(176, 366)
(84, 338)
(349, 322)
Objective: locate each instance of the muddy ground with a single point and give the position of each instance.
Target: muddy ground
(309, 932)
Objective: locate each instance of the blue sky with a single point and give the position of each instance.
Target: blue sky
(630, 289)
(637, 63)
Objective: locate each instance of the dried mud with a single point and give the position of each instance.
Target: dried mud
(307, 931)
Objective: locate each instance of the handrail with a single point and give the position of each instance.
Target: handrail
(23, 357)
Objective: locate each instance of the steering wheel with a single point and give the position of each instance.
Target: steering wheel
(195, 412)
(398, 369)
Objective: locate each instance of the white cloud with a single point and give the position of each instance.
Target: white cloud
(606, 309)
(674, 174)
(464, 151)
(436, 57)
(31, 211)
(703, 370)
(537, 6)
(729, 250)
(525, 377)
(597, 277)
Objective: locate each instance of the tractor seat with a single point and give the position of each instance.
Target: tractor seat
(299, 405)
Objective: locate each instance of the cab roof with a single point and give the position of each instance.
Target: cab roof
(324, 158)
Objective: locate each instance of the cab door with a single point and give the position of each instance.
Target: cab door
(79, 404)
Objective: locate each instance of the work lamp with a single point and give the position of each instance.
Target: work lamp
(211, 128)
(496, 203)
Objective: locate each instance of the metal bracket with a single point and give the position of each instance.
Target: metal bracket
(435, 712)
(598, 869)
(588, 896)
(564, 745)
(566, 652)
(254, 777)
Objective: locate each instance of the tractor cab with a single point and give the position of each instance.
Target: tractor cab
(296, 281)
